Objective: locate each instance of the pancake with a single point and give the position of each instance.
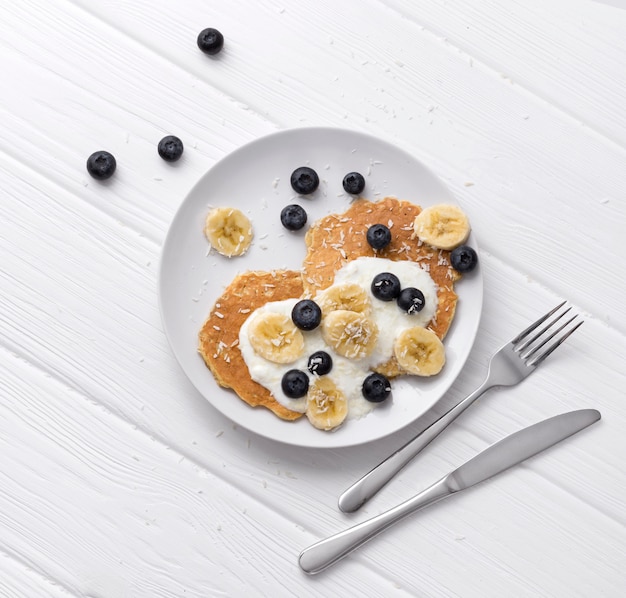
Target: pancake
(337, 239)
(219, 336)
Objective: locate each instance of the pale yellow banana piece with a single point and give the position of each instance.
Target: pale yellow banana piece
(443, 226)
(349, 296)
(419, 351)
(228, 230)
(326, 405)
(275, 337)
(349, 333)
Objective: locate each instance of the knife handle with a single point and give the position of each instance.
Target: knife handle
(323, 554)
(364, 488)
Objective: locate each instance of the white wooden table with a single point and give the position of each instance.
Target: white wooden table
(118, 479)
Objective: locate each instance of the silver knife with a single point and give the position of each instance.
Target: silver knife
(498, 457)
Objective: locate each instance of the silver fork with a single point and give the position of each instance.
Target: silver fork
(507, 367)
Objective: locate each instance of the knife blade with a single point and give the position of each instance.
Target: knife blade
(495, 459)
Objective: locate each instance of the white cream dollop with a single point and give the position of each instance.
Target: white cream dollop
(347, 374)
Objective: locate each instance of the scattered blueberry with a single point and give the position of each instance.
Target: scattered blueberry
(411, 300)
(463, 258)
(304, 180)
(210, 41)
(101, 165)
(170, 148)
(293, 217)
(295, 384)
(320, 363)
(354, 183)
(378, 236)
(306, 314)
(376, 388)
(386, 286)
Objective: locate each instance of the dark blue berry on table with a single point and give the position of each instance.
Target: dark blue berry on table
(378, 236)
(295, 384)
(353, 183)
(170, 148)
(463, 258)
(306, 314)
(101, 165)
(304, 180)
(320, 363)
(386, 286)
(293, 217)
(376, 388)
(411, 300)
(210, 41)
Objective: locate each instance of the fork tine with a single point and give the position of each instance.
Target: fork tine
(537, 360)
(530, 341)
(532, 351)
(540, 321)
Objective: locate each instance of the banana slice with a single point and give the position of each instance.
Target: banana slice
(419, 351)
(228, 230)
(442, 226)
(349, 296)
(349, 333)
(326, 405)
(275, 337)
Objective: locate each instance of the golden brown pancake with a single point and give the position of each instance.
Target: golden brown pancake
(219, 336)
(339, 238)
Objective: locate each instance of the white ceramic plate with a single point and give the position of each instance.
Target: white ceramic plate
(255, 178)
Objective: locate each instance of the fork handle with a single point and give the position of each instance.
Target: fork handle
(366, 487)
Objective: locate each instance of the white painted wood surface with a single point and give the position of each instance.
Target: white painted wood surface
(117, 478)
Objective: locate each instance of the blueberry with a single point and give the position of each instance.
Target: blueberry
(353, 183)
(295, 384)
(170, 148)
(385, 286)
(378, 236)
(320, 363)
(293, 217)
(304, 180)
(101, 165)
(210, 41)
(463, 258)
(376, 388)
(411, 300)
(306, 314)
